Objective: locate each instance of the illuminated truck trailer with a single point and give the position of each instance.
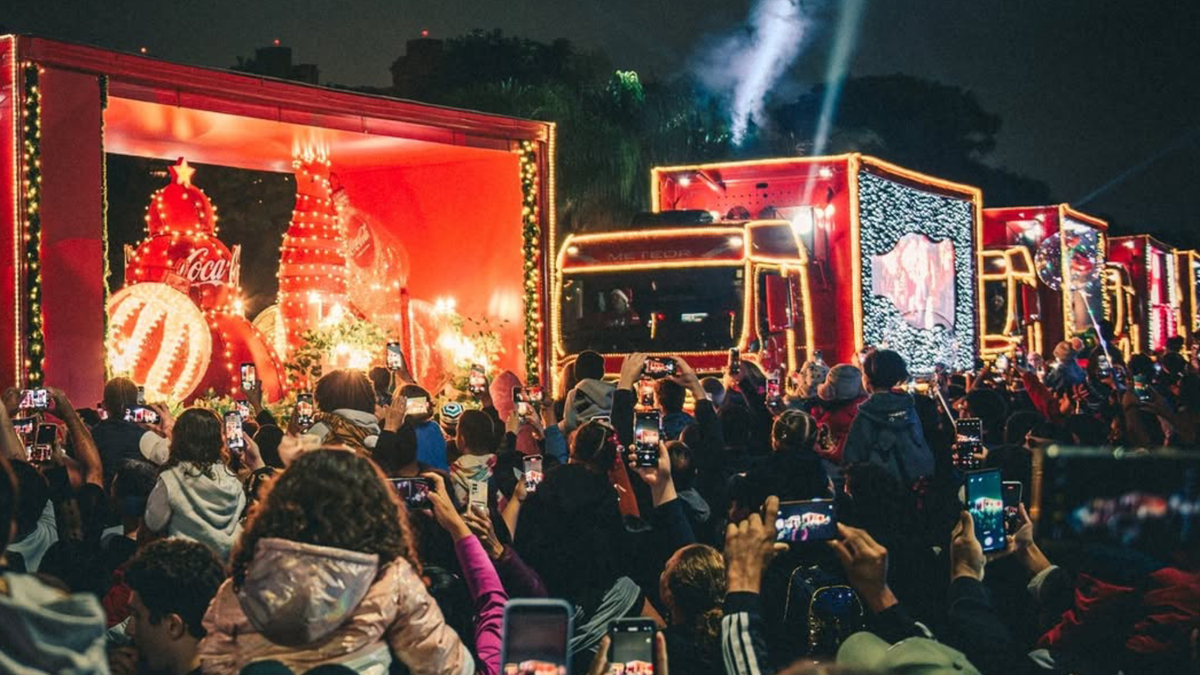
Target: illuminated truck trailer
(1044, 278)
(890, 252)
(1187, 274)
(1151, 265)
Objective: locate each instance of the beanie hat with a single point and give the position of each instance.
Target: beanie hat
(810, 376)
(843, 383)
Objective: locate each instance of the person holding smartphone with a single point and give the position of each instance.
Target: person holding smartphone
(345, 401)
(330, 520)
(197, 496)
(118, 440)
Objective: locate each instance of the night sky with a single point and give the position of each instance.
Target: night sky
(1086, 88)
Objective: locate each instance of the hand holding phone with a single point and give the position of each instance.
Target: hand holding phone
(35, 399)
(249, 376)
(985, 501)
(647, 434)
(968, 443)
(42, 449)
(477, 381)
(658, 367)
(304, 410)
(1012, 505)
(416, 406)
(478, 498)
(395, 357)
(414, 491)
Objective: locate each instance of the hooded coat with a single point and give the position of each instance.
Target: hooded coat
(306, 605)
(887, 431)
(588, 399)
(186, 503)
(44, 630)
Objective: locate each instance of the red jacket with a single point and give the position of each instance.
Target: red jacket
(838, 419)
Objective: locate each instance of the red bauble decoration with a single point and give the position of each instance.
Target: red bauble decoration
(159, 338)
(236, 341)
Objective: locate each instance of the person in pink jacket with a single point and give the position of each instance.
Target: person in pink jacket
(325, 572)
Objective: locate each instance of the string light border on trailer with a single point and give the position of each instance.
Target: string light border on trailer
(889, 210)
(530, 240)
(31, 185)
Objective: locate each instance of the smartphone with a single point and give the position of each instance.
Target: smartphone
(735, 362)
(477, 380)
(774, 394)
(233, 431)
(1142, 391)
(417, 405)
(647, 431)
(528, 399)
(42, 449)
(804, 521)
(141, 395)
(646, 392)
(1002, 363)
(304, 410)
(533, 472)
(24, 426)
(414, 491)
(537, 637)
(35, 399)
(968, 441)
(658, 367)
(632, 651)
(249, 376)
(140, 414)
(985, 501)
(395, 358)
(1011, 489)
(1103, 366)
(243, 408)
(479, 495)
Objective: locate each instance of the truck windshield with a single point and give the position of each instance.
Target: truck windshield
(664, 310)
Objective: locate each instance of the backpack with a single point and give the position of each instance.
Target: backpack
(822, 606)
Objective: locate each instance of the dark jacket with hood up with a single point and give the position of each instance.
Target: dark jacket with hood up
(887, 431)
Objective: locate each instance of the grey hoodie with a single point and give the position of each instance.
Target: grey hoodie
(186, 503)
(588, 399)
(44, 630)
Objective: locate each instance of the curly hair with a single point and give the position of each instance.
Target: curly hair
(329, 498)
(198, 440)
(176, 576)
(696, 582)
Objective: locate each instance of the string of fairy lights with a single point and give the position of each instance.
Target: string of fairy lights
(104, 284)
(530, 239)
(31, 183)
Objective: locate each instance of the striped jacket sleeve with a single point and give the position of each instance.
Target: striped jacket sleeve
(743, 646)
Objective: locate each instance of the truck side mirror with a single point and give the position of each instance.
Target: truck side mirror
(779, 304)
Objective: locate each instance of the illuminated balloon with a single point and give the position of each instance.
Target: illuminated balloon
(1083, 258)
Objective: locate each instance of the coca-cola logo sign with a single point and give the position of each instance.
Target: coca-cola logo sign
(206, 267)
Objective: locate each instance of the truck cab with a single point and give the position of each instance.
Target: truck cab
(696, 291)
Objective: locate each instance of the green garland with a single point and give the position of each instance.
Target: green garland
(103, 81)
(530, 239)
(32, 183)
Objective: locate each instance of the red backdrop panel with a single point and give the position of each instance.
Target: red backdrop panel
(72, 257)
(460, 223)
(9, 331)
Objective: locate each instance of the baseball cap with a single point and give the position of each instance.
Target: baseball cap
(914, 656)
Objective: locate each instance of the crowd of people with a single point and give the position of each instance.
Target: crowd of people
(155, 548)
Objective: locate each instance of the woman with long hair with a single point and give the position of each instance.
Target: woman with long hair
(326, 572)
(692, 588)
(197, 496)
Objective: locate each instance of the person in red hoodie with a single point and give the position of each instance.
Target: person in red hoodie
(840, 395)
